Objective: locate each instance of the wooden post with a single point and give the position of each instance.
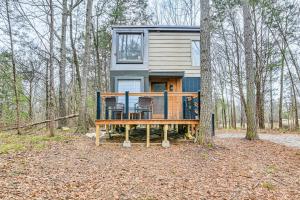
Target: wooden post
(213, 124)
(98, 116)
(97, 135)
(148, 135)
(127, 143)
(166, 142)
(199, 102)
(165, 104)
(107, 130)
(126, 105)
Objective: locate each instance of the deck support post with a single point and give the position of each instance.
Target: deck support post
(148, 135)
(127, 143)
(107, 130)
(97, 134)
(166, 142)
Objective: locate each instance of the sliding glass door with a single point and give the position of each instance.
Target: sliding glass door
(130, 85)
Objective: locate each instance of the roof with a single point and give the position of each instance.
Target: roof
(159, 27)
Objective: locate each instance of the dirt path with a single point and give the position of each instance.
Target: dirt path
(235, 169)
(291, 140)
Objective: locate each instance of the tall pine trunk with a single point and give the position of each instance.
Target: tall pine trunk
(51, 71)
(250, 73)
(13, 67)
(62, 67)
(204, 135)
(82, 121)
(271, 100)
(281, 89)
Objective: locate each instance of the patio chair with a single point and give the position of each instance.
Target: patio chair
(113, 109)
(144, 106)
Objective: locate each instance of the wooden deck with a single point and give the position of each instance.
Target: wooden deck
(167, 119)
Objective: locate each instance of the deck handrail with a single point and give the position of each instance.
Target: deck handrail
(165, 94)
(150, 94)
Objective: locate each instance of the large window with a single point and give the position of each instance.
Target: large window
(196, 53)
(130, 48)
(130, 85)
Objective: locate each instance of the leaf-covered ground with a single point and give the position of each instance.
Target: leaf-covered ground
(77, 169)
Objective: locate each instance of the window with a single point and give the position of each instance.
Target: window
(130, 85)
(130, 48)
(196, 53)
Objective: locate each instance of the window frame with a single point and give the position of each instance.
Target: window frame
(192, 41)
(141, 61)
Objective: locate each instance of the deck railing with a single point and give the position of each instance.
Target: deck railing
(168, 109)
(165, 105)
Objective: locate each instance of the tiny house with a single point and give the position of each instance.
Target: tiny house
(156, 59)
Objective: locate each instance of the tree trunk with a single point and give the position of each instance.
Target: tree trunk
(47, 92)
(281, 89)
(294, 100)
(250, 74)
(82, 121)
(62, 66)
(13, 68)
(74, 51)
(30, 100)
(51, 71)
(271, 99)
(204, 135)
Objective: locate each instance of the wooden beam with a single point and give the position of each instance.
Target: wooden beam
(97, 134)
(147, 121)
(165, 142)
(127, 143)
(148, 135)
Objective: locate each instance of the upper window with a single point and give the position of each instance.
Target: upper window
(196, 53)
(130, 48)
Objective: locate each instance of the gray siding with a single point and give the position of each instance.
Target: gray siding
(171, 51)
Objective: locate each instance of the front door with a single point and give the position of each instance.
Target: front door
(158, 102)
(160, 84)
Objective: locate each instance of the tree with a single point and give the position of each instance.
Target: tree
(250, 73)
(62, 66)
(204, 136)
(13, 65)
(51, 70)
(82, 121)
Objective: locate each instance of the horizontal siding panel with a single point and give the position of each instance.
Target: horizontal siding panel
(170, 54)
(169, 58)
(169, 50)
(172, 45)
(169, 41)
(169, 63)
(174, 37)
(187, 69)
(173, 34)
(187, 72)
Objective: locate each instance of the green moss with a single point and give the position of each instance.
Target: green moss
(11, 148)
(268, 185)
(271, 169)
(10, 143)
